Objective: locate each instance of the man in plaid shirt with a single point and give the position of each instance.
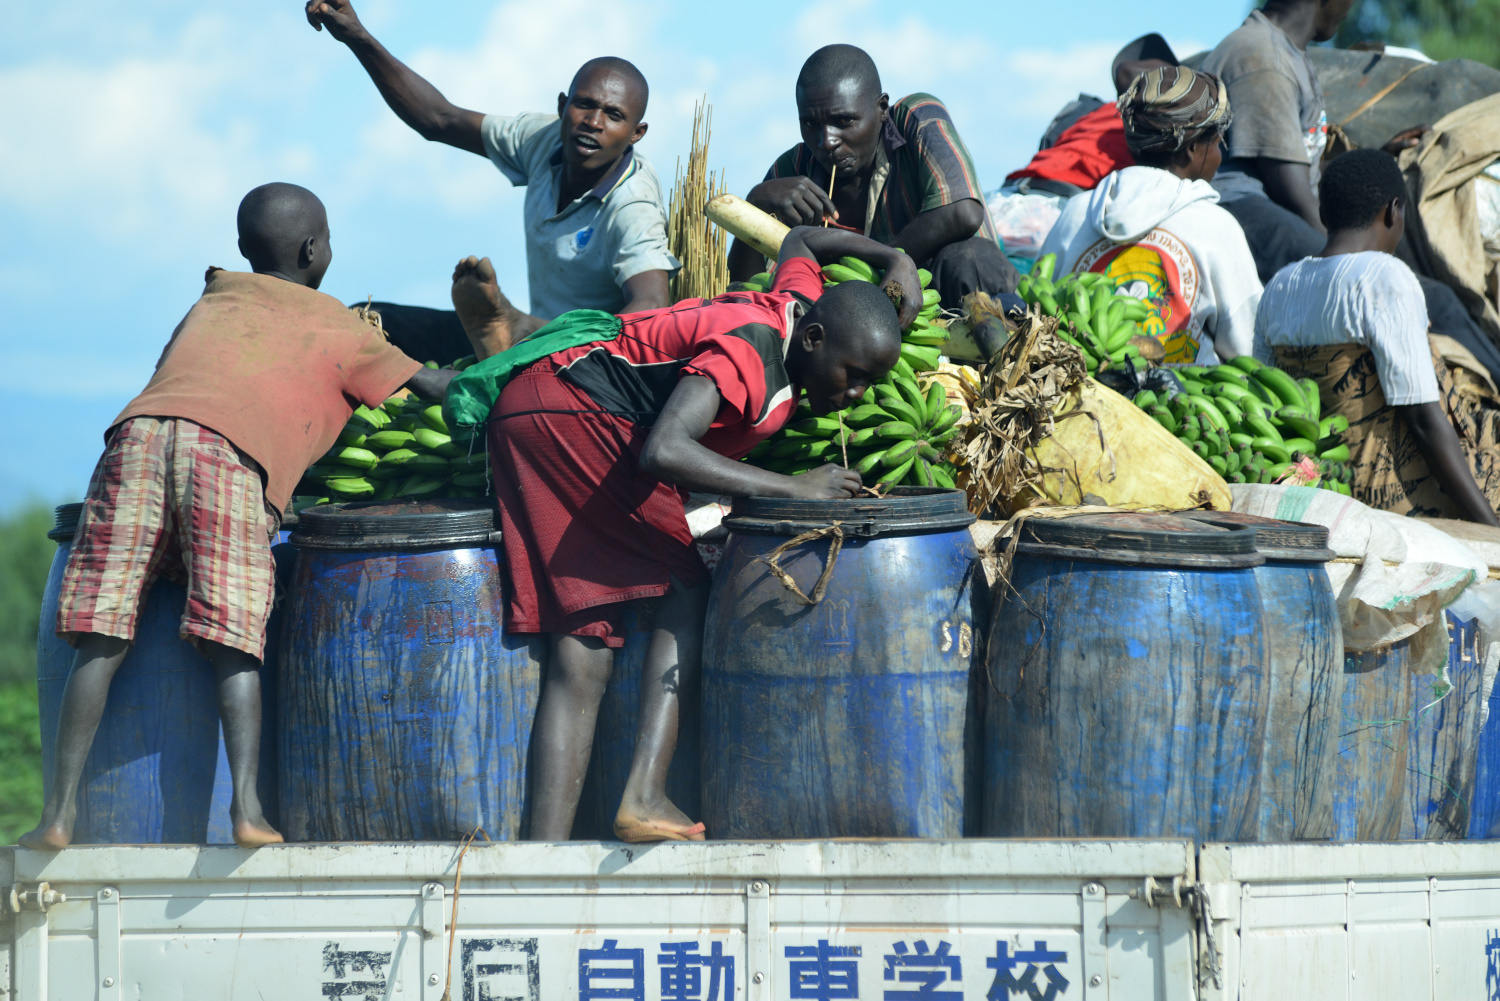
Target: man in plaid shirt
(256, 383)
(900, 175)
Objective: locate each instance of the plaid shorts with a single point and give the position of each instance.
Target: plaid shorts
(172, 499)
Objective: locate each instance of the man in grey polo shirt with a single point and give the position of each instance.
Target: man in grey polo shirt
(596, 228)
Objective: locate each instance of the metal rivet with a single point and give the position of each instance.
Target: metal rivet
(1092, 889)
(757, 886)
(109, 981)
(106, 893)
(1095, 980)
(760, 977)
(433, 980)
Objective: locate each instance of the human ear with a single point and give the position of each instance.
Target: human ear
(885, 103)
(308, 255)
(639, 134)
(562, 104)
(812, 336)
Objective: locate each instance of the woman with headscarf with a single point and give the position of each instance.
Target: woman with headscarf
(1157, 229)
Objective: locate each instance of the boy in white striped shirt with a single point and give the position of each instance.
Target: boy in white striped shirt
(1354, 319)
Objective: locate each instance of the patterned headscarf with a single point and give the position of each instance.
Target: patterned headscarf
(1170, 107)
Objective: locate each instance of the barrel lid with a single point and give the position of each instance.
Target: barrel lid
(1283, 541)
(65, 521)
(369, 526)
(1139, 539)
(902, 511)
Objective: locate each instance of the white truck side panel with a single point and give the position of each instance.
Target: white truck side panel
(7, 926)
(1362, 922)
(746, 921)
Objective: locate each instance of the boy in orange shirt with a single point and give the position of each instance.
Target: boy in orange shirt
(256, 383)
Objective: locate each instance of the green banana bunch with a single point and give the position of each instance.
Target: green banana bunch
(921, 344)
(401, 448)
(894, 437)
(1094, 318)
(1251, 421)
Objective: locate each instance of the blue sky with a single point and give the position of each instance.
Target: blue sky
(129, 132)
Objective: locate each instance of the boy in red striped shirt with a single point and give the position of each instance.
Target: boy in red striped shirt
(600, 426)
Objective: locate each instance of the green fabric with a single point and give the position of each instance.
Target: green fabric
(473, 392)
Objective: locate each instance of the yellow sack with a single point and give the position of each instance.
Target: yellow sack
(1139, 464)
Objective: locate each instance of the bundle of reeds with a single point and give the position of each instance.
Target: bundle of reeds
(699, 244)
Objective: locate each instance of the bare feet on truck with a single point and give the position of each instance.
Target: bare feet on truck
(639, 822)
(250, 829)
(54, 833)
(487, 315)
(255, 835)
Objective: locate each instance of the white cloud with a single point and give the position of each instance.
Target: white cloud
(143, 145)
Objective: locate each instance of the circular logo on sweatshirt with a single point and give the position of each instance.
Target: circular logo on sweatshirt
(1159, 270)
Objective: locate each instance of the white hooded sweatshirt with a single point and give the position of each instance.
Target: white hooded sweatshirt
(1168, 241)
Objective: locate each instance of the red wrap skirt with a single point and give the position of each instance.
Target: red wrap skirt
(584, 529)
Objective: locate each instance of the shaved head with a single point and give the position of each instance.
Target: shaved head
(835, 66)
(284, 231)
(848, 339)
(859, 316)
(637, 90)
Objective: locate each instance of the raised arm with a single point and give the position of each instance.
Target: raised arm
(1439, 444)
(673, 454)
(828, 245)
(415, 101)
(934, 229)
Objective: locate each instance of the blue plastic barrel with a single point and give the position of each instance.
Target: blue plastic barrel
(1484, 817)
(1127, 682)
(615, 732)
(1369, 795)
(1304, 676)
(151, 775)
(406, 710)
(844, 717)
(1444, 740)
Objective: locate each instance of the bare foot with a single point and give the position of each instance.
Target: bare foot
(250, 835)
(487, 315)
(52, 833)
(47, 838)
(635, 823)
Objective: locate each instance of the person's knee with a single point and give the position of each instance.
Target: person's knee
(96, 648)
(228, 661)
(973, 265)
(581, 665)
(958, 254)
